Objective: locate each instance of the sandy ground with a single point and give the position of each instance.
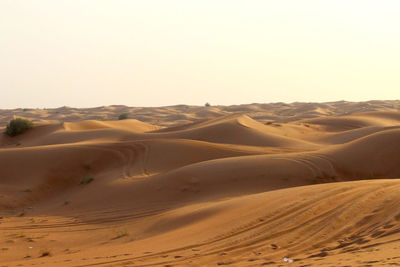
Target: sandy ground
(249, 185)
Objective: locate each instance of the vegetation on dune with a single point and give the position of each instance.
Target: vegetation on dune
(87, 179)
(45, 253)
(87, 166)
(121, 233)
(18, 126)
(123, 116)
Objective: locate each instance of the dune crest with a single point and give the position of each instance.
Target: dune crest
(128, 124)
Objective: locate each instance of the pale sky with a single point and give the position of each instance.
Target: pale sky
(154, 53)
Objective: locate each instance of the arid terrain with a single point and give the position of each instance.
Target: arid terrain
(243, 185)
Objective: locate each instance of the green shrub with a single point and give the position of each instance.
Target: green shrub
(121, 233)
(87, 179)
(45, 253)
(123, 116)
(207, 104)
(87, 166)
(18, 126)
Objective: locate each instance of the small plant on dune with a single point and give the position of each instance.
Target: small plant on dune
(87, 179)
(123, 116)
(45, 253)
(121, 233)
(207, 104)
(21, 214)
(18, 126)
(21, 235)
(87, 166)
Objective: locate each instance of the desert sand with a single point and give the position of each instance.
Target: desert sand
(244, 185)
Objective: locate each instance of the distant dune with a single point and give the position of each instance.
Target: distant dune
(183, 114)
(244, 185)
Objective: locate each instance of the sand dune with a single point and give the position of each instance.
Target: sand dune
(235, 129)
(244, 185)
(334, 124)
(181, 114)
(129, 125)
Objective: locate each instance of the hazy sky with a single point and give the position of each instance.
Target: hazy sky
(150, 53)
